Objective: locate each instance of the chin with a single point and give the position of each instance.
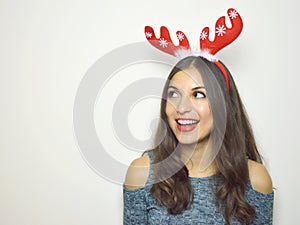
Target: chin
(189, 139)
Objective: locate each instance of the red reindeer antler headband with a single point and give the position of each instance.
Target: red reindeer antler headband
(223, 37)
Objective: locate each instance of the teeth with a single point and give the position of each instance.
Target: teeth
(187, 122)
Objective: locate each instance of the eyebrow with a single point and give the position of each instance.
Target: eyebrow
(171, 86)
(199, 87)
(195, 88)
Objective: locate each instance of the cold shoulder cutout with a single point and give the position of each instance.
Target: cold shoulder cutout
(260, 178)
(137, 173)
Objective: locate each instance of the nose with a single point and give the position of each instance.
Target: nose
(184, 105)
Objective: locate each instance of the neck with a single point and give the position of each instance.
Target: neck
(196, 158)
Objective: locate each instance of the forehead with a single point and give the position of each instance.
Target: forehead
(187, 78)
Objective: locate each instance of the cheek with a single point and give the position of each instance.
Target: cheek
(170, 109)
(204, 111)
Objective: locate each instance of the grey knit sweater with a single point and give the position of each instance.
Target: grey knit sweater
(140, 208)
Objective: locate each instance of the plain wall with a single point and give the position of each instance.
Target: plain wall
(47, 47)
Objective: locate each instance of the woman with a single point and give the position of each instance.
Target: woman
(207, 169)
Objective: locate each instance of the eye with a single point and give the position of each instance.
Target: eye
(172, 94)
(199, 94)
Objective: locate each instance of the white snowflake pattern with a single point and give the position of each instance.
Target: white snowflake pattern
(233, 14)
(148, 35)
(180, 36)
(220, 30)
(203, 35)
(163, 43)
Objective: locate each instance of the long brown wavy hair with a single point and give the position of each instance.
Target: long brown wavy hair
(237, 144)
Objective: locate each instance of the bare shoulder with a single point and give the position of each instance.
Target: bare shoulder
(259, 177)
(137, 173)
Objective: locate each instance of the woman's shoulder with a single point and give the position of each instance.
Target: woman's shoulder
(259, 177)
(137, 173)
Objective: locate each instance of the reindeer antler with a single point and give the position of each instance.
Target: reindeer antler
(164, 43)
(223, 35)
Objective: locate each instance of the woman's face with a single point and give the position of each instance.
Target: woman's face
(187, 109)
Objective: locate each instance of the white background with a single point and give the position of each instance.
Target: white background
(46, 47)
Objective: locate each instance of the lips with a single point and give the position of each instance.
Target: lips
(186, 124)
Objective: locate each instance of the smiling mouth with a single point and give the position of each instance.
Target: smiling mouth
(186, 125)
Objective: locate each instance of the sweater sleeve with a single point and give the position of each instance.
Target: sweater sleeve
(134, 207)
(263, 204)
